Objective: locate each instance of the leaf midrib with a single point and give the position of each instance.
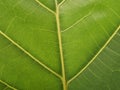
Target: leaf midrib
(60, 46)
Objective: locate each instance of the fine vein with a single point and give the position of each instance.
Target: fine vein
(8, 85)
(78, 21)
(45, 6)
(60, 47)
(69, 81)
(5, 88)
(26, 52)
(11, 22)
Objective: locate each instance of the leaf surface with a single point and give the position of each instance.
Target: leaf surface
(60, 45)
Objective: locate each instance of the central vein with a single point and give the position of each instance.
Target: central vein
(60, 47)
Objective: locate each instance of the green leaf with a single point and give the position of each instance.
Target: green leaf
(59, 45)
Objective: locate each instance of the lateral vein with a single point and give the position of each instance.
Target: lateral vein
(69, 81)
(45, 7)
(8, 85)
(62, 2)
(30, 55)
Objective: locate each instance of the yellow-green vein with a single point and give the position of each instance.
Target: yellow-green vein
(63, 1)
(108, 41)
(45, 6)
(60, 47)
(8, 85)
(25, 51)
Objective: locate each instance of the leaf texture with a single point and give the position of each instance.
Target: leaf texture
(59, 45)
